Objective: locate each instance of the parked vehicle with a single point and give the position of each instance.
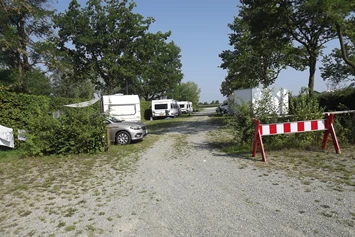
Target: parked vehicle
(185, 107)
(223, 108)
(165, 108)
(124, 132)
(124, 107)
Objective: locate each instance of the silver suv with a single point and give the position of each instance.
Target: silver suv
(124, 132)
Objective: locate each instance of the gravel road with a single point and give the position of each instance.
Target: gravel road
(183, 187)
(202, 192)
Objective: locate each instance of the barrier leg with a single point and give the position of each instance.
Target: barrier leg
(330, 130)
(326, 133)
(334, 136)
(258, 140)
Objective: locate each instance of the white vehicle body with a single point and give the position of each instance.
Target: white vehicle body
(185, 107)
(190, 109)
(278, 101)
(124, 107)
(165, 108)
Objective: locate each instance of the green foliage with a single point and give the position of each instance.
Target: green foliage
(146, 110)
(188, 91)
(78, 130)
(269, 36)
(342, 99)
(22, 23)
(113, 47)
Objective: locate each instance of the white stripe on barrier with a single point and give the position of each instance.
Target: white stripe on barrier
(293, 127)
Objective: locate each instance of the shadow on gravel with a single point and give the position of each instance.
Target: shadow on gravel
(180, 127)
(215, 148)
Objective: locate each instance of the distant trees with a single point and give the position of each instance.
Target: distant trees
(188, 91)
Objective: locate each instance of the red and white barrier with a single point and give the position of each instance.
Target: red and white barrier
(295, 127)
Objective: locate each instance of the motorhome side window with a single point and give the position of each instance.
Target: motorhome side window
(161, 106)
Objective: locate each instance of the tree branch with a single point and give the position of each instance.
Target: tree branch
(342, 46)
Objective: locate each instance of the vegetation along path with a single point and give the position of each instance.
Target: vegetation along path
(179, 186)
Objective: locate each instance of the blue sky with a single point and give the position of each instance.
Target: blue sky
(199, 28)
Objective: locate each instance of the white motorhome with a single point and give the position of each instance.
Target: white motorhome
(165, 108)
(185, 107)
(278, 101)
(124, 107)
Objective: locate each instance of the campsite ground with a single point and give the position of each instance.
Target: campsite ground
(180, 185)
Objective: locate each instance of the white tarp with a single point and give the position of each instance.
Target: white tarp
(6, 136)
(83, 104)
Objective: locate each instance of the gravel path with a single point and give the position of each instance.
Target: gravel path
(200, 192)
(182, 187)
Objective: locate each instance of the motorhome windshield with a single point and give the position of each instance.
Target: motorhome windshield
(161, 106)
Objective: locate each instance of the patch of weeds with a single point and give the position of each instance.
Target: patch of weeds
(24, 213)
(81, 202)
(327, 214)
(31, 233)
(110, 218)
(101, 213)
(325, 206)
(350, 223)
(70, 212)
(90, 228)
(61, 224)
(69, 228)
(306, 182)
(301, 212)
(133, 213)
(308, 190)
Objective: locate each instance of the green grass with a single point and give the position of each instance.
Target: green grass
(311, 162)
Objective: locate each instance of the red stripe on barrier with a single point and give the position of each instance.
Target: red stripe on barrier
(314, 125)
(300, 126)
(287, 127)
(261, 130)
(273, 129)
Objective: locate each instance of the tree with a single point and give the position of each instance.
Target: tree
(251, 62)
(108, 41)
(335, 69)
(160, 67)
(301, 23)
(341, 15)
(188, 91)
(339, 65)
(23, 24)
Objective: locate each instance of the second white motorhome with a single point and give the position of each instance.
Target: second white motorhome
(165, 108)
(185, 107)
(124, 107)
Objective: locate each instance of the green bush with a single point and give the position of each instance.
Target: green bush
(341, 100)
(146, 110)
(78, 130)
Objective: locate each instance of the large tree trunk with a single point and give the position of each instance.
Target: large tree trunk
(312, 71)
